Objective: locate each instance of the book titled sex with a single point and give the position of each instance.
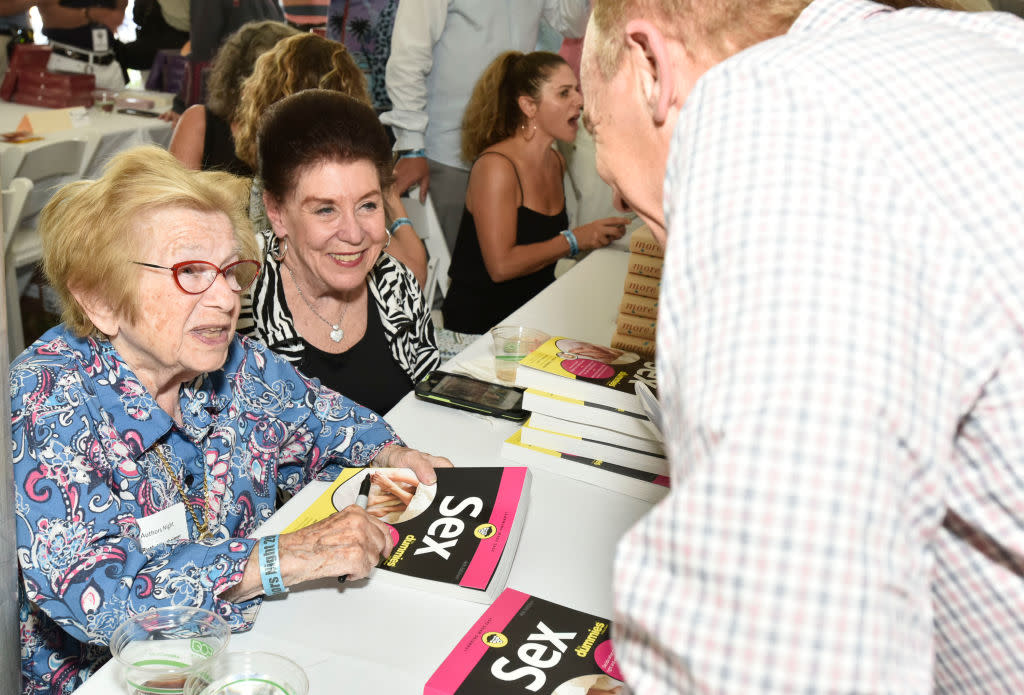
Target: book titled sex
(586, 371)
(456, 537)
(524, 644)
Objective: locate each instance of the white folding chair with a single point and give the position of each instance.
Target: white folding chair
(14, 199)
(424, 219)
(45, 165)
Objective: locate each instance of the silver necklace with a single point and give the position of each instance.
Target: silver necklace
(337, 335)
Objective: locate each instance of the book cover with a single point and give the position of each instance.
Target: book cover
(617, 453)
(642, 286)
(458, 536)
(632, 422)
(578, 369)
(627, 481)
(639, 306)
(527, 644)
(648, 266)
(645, 347)
(637, 326)
(643, 241)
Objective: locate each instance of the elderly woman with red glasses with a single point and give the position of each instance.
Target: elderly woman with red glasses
(150, 440)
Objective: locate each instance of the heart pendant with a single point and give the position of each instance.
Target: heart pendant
(337, 334)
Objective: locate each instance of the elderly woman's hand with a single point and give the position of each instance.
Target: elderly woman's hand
(422, 464)
(348, 542)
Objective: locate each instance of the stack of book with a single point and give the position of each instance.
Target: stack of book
(638, 311)
(586, 421)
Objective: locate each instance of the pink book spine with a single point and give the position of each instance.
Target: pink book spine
(488, 553)
(471, 648)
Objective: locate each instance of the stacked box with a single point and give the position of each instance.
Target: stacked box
(638, 312)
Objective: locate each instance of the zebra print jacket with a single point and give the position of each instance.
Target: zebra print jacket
(406, 319)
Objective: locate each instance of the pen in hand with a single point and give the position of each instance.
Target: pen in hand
(361, 500)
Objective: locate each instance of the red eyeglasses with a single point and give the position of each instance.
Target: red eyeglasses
(195, 277)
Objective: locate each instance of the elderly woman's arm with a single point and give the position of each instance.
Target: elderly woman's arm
(83, 490)
(349, 542)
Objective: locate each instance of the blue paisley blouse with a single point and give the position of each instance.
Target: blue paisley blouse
(86, 434)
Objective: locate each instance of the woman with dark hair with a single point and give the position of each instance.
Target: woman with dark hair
(514, 226)
(308, 61)
(328, 298)
(204, 136)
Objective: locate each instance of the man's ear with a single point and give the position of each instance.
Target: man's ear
(99, 311)
(648, 50)
(274, 215)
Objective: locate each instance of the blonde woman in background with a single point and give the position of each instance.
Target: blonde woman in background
(204, 136)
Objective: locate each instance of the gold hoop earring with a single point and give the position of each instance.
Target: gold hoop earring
(282, 249)
(528, 134)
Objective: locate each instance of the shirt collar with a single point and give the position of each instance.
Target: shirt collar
(825, 15)
(134, 414)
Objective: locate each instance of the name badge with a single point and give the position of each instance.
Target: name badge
(100, 40)
(166, 526)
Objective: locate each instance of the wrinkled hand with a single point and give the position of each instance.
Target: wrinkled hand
(600, 233)
(349, 542)
(410, 171)
(422, 464)
(171, 116)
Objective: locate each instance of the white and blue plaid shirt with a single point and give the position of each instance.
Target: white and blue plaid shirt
(841, 362)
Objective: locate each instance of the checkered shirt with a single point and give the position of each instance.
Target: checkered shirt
(841, 364)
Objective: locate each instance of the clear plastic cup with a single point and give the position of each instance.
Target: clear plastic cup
(159, 649)
(103, 99)
(248, 673)
(511, 344)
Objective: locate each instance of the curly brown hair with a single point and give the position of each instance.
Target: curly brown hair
(306, 61)
(493, 112)
(235, 61)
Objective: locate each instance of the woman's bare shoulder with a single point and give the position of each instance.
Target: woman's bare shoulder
(495, 171)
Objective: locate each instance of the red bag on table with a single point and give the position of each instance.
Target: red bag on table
(26, 56)
(29, 82)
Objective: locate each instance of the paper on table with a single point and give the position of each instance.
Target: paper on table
(51, 120)
(652, 408)
(479, 368)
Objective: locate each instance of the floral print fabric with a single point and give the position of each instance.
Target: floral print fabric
(86, 436)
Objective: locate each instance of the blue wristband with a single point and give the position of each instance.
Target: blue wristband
(270, 566)
(398, 223)
(574, 248)
(413, 153)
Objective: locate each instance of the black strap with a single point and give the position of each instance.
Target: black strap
(522, 196)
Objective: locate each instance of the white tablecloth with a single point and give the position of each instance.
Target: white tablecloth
(118, 132)
(367, 637)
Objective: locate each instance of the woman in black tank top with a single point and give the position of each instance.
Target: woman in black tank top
(514, 226)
